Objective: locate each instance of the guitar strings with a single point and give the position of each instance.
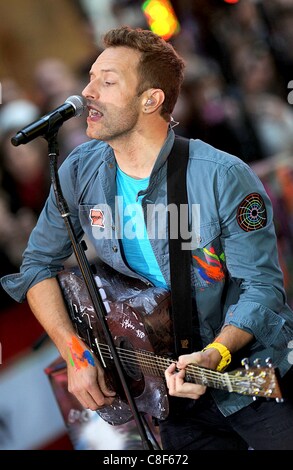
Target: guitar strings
(148, 357)
(156, 365)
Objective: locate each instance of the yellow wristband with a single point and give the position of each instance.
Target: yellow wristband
(225, 354)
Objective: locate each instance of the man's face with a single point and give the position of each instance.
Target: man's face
(111, 94)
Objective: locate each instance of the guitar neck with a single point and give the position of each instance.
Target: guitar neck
(254, 381)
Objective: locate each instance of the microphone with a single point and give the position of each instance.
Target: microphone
(73, 106)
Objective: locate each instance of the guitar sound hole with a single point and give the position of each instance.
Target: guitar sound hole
(128, 359)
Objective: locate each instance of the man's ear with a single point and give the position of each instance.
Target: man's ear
(154, 99)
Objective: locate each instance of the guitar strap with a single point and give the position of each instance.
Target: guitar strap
(183, 310)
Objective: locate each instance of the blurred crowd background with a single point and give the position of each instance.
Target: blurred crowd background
(236, 95)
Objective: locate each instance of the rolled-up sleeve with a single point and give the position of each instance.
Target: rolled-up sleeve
(49, 244)
(250, 246)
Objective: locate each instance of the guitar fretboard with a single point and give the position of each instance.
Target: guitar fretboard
(255, 381)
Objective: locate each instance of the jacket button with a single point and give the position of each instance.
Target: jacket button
(115, 249)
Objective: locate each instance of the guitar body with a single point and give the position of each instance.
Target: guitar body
(138, 319)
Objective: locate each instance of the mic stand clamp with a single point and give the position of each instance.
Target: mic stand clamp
(78, 248)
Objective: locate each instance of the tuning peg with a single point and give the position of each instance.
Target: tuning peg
(245, 363)
(257, 362)
(269, 362)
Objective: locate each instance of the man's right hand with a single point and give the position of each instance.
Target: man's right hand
(86, 378)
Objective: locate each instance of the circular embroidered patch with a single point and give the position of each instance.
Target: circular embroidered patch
(252, 214)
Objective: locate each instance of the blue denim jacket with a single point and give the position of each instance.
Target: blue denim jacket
(236, 278)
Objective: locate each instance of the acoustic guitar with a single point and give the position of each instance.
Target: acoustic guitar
(139, 322)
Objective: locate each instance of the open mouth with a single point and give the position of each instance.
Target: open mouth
(94, 113)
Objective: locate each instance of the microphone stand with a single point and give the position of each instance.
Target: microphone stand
(79, 251)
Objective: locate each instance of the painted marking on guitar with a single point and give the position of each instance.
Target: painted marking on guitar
(100, 353)
(84, 312)
(127, 324)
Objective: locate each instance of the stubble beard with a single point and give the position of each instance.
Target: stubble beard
(117, 124)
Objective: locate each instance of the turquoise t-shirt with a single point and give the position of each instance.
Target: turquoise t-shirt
(134, 238)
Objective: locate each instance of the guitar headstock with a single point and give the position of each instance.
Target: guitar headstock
(256, 381)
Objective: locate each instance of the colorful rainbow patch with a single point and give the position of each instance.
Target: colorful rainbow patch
(252, 214)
